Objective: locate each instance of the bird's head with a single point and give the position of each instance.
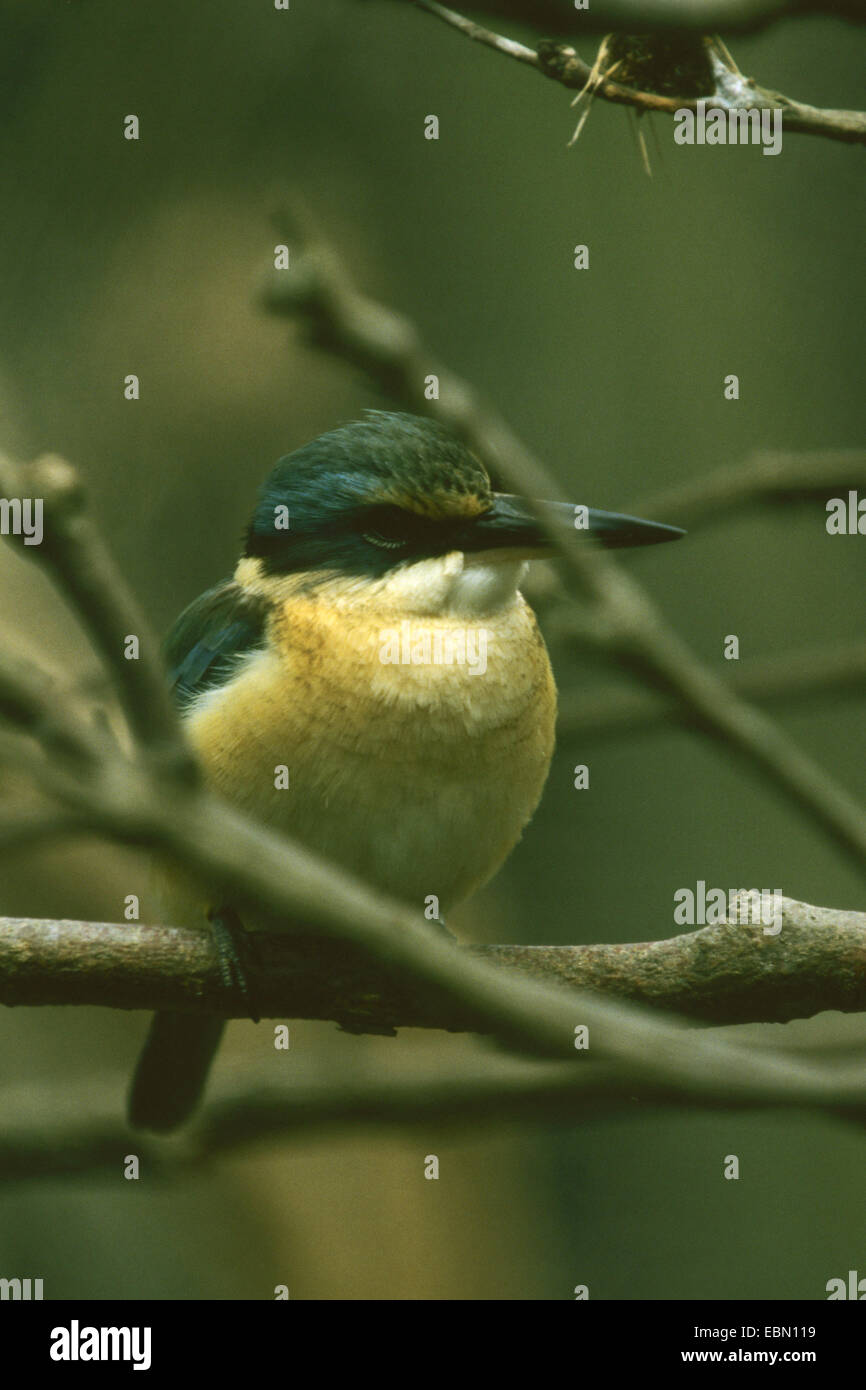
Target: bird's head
(395, 513)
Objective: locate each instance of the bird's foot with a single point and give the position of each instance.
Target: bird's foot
(235, 953)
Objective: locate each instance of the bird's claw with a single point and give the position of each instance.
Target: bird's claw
(233, 946)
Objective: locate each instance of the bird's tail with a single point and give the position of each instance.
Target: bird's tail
(172, 1069)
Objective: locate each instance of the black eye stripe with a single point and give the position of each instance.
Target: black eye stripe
(367, 539)
(392, 528)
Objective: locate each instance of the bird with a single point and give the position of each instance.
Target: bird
(374, 644)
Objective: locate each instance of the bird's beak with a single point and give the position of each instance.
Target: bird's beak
(510, 526)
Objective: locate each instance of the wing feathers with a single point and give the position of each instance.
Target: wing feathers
(210, 636)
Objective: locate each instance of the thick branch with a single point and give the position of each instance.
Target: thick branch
(732, 973)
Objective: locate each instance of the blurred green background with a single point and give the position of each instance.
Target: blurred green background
(120, 257)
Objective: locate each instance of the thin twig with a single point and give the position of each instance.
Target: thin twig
(643, 16)
(47, 1133)
(564, 65)
(767, 477)
(814, 673)
(74, 554)
(37, 825)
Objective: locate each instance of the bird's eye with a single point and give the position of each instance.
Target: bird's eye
(384, 542)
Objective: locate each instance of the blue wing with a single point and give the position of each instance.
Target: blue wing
(220, 626)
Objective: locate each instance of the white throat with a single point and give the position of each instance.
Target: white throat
(456, 585)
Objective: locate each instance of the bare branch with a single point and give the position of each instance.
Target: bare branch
(510, 47)
(641, 16)
(49, 1133)
(563, 64)
(35, 826)
(765, 478)
(730, 973)
(73, 552)
(796, 676)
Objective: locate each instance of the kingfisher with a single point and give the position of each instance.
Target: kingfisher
(370, 682)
